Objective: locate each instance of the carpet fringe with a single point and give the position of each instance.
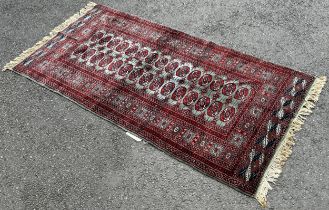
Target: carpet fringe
(285, 148)
(52, 34)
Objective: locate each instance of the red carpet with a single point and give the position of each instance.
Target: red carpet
(218, 110)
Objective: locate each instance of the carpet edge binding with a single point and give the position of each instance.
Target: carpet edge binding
(284, 150)
(52, 34)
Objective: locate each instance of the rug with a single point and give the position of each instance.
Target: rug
(227, 114)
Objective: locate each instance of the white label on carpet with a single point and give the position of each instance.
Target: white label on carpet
(133, 136)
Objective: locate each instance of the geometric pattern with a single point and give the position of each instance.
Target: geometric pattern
(220, 111)
(193, 88)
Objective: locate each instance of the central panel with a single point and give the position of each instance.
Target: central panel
(192, 105)
(204, 96)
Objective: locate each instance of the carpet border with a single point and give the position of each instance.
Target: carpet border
(11, 65)
(284, 150)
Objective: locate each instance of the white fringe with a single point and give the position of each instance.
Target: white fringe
(285, 148)
(52, 34)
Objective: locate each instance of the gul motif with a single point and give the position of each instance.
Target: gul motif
(165, 123)
(204, 93)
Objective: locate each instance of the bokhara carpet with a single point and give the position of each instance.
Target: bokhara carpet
(229, 115)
